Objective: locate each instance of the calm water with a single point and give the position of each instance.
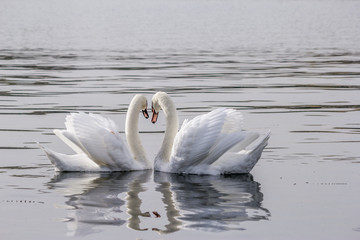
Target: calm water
(289, 66)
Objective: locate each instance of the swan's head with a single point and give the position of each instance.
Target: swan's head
(159, 101)
(140, 102)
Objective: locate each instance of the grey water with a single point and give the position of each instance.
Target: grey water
(289, 66)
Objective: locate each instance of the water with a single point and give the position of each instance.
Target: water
(289, 66)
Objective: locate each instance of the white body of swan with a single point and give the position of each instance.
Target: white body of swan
(98, 145)
(212, 143)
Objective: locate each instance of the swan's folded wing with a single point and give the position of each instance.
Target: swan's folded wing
(205, 137)
(99, 138)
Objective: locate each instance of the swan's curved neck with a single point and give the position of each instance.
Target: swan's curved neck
(172, 124)
(132, 131)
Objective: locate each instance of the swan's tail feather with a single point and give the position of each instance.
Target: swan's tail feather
(71, 163)
(52, 156)
(260, 143)
(255, 150)
(244, 160)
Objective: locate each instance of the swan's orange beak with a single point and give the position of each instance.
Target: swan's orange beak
(145, 113)
(154, 115)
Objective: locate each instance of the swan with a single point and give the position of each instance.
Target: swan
(98, 145)
(212, 143)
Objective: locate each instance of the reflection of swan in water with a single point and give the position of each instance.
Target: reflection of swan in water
(212, 203)
(95, 198)
(209, 203)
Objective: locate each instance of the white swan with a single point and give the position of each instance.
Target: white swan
(212, 143)
(98, 145)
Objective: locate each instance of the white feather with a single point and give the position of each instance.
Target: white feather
(76, 162)
(212, 143)
(100, 138)
(97, 143)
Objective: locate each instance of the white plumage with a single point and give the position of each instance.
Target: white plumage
(98, 145)
(212, 143)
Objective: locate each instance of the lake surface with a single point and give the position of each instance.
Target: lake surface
(289, 66)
